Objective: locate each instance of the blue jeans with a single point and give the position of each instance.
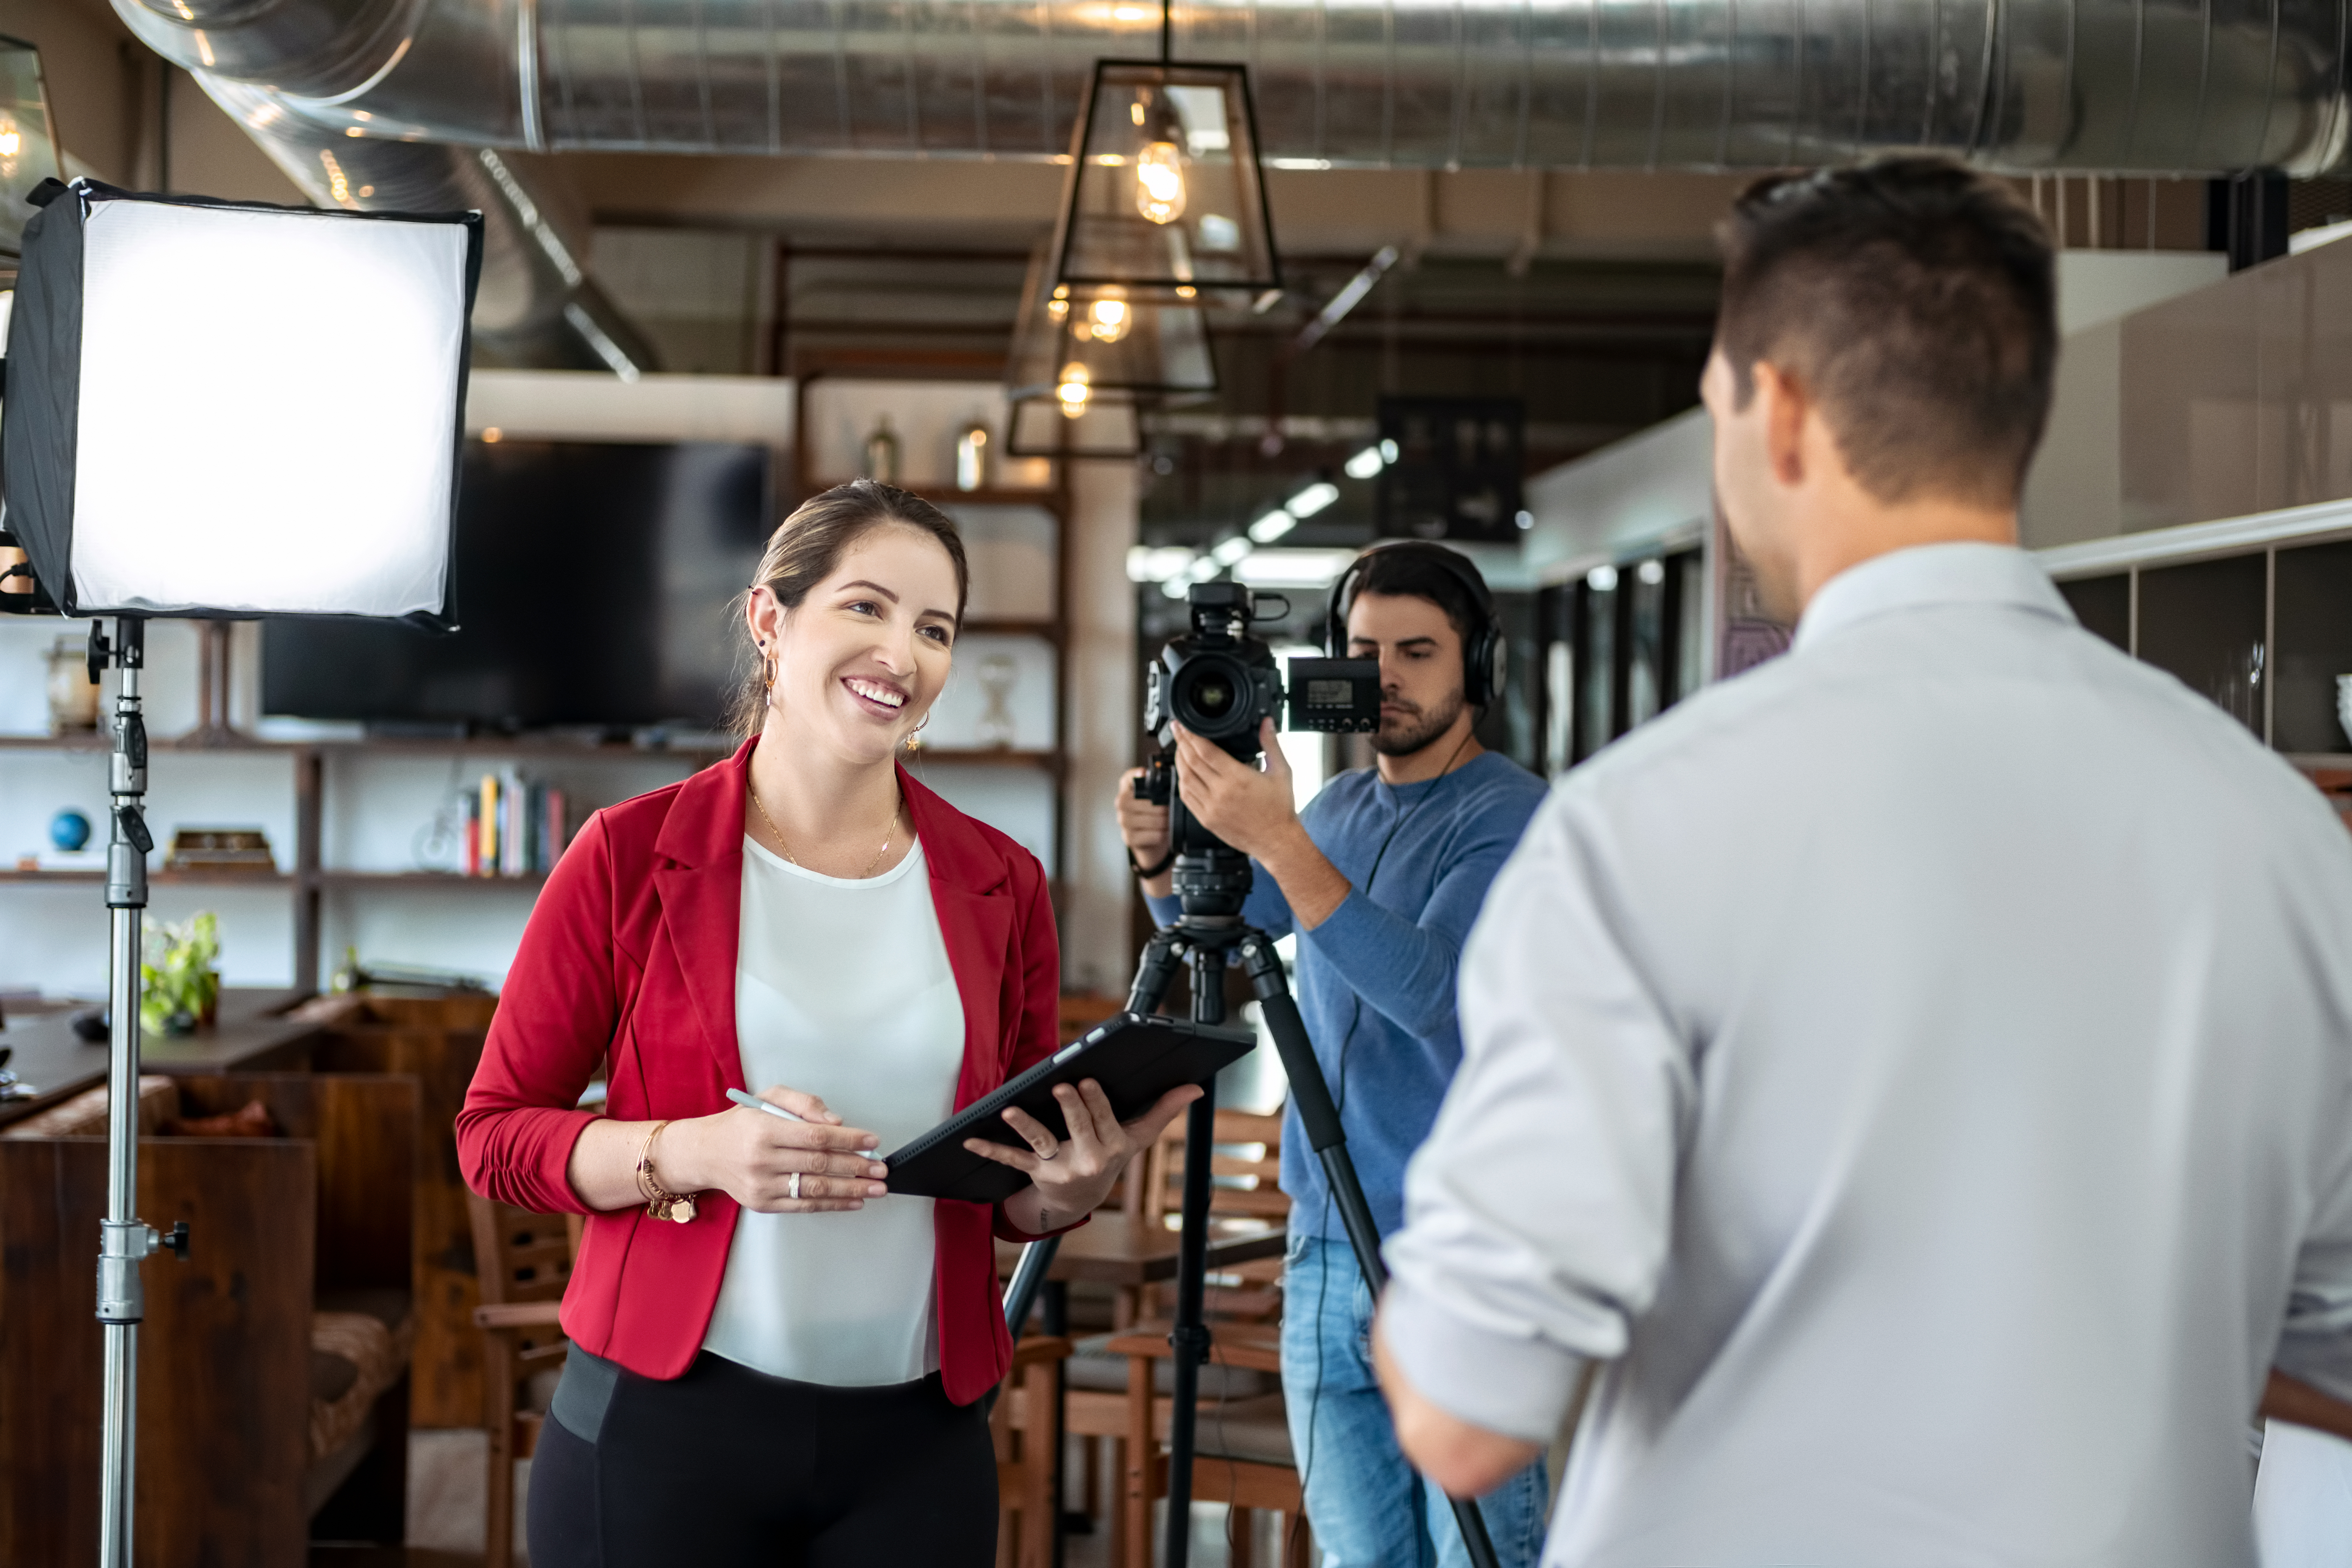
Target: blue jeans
(1368, 1507)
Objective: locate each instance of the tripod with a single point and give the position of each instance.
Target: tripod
(1211, 883)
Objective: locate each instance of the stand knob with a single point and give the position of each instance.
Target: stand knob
(176, 1243)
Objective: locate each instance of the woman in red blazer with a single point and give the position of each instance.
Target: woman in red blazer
(773, 1360)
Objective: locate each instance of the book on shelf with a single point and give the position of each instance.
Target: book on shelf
(515, 825)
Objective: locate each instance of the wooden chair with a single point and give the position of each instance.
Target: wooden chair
(438, 1040)
(1241, 1447)
(1025, 1427)
(1247, 1156)
(523, 1260)
(265, 1421)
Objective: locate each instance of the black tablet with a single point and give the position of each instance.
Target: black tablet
(1134, 1059)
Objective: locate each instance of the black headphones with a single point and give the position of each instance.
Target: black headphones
(1485, 654)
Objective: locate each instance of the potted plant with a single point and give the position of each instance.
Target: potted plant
(179, 988)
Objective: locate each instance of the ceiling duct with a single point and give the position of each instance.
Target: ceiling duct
(536, 307)
(416, 103)
(2113, 86)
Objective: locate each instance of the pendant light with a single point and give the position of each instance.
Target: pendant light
(1076, 347)
(1073, 420)
(1165, 199)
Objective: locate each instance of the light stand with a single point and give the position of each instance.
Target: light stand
(124, 1239)
(243, 503)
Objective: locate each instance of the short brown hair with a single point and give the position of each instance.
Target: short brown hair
(1917, 300)
(808, 545)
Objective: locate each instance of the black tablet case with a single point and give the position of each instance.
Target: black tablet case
(1134, 1059)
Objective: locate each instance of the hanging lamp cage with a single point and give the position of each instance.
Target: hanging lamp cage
(1165, 199)
(1147, 347)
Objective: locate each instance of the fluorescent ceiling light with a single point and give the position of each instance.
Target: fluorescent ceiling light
(1272, 526)
(1388, 450)
(1149, 564)
(1231, 550)
(1293, 568)
(1526, 519)
(1312, 500)
(238, 411)
(1366, 463)
(1651, 573)
(1601, 579)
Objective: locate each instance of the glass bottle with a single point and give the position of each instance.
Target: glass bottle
(882, 452)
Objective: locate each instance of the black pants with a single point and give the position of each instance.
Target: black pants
(727, 1466)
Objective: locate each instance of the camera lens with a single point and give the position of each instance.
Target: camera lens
(1211, 695)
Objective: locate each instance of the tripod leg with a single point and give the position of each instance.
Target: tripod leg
(1321, 1120)
(1190, 1336)
(1155, 971)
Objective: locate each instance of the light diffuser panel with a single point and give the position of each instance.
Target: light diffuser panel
(242, 411)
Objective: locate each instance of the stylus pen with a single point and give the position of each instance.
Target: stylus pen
(756, 1103)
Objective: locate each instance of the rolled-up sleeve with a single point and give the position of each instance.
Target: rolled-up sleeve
(1538, 1215)
(554, 1023)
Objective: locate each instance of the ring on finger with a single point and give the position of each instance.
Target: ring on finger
(1049, 1153)
(797, 1187)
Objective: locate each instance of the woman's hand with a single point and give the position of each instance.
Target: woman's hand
(753, 1157)
(1069, 1177)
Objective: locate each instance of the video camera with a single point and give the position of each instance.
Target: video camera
(1221, 683)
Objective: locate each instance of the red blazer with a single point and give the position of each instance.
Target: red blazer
(629, 963)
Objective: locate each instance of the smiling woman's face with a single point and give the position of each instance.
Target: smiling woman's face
(859, 663)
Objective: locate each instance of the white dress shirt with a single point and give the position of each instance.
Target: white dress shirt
(1921, 1069)
(842, 991)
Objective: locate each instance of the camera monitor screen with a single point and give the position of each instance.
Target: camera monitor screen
(593, 587)
(1335, 695)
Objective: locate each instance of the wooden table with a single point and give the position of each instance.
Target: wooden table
(260, 1030)
(1109, 1251)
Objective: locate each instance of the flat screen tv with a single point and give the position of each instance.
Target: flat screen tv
(594, 586)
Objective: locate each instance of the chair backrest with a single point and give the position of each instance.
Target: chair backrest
(1245, 1170)
(519, 1256)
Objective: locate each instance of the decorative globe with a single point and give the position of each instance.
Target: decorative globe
(69, 830)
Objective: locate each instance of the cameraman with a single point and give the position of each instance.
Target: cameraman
(1380, 876)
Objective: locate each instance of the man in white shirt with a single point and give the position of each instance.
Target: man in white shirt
(1917, 1072)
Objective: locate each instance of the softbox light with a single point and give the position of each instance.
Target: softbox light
(234, 410)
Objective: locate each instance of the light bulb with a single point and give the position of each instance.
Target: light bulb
(12, 143)
(1159, 182)
(1074, 390)
(1111, 319)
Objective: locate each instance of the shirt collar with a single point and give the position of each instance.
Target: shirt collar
(1961, 574)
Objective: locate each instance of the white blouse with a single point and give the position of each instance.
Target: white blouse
(842, 991)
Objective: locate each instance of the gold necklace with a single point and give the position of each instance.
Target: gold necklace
(889, 831)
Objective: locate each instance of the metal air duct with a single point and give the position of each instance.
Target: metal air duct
(411, 102)
(2115, 86)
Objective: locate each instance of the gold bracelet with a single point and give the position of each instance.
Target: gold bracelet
(660, 1202)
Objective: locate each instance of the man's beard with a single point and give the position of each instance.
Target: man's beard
(1417, 729)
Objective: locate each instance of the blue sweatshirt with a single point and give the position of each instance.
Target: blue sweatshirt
(1376, 980)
